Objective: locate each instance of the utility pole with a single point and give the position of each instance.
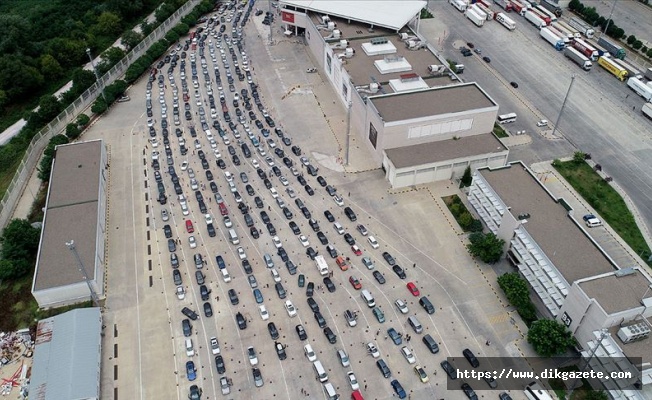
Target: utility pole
(82, 269)
(563, 106)
(610, 14)
(97, 76)
(271, 40)
(348, 131)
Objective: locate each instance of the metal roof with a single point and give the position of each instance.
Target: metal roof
(67, 356)
(391, 14)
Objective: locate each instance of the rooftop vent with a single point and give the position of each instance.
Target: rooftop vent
(628, 334)
(380, 40)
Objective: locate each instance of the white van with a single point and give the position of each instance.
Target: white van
(330, 392)
(320, 371)
(368, 298)
(233, 237)
(415, 324)
(190, 351)
(225, 275)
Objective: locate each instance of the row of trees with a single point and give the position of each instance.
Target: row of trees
(19, 248)
(590, 15)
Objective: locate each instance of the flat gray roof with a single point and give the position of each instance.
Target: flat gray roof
(67, 356)
(434, 101)
(638, 348)
(450, 149)
(616, 293)
(71, 214)
(556, 233)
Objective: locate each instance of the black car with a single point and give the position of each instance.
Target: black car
(329, 284)
(310, 288)
(189, 313)
(320, 319)
(350, 214)
(314, 224)
(221, 164)
(259, 202)
(430, 343)
(295, 228)
(469, 392)
(250, 190)
(280, 290)
(283, 254)
(247, 266)
(280, 351)
(306, 212)
(331, 251)
(288, 162)
(211, 230)
(208, 309)
(288, 214)
(322, 238)
(313, 305)
(301, 332)
(388, 257)
(322, 182)
(296, 150)
(271, 229)
(168, 231)
(219, 364)
(267, 183)
(332, 338)
(379, 277)
(349, 239)
(302, 180)
(471, 358)
(329, 216)
(514, 84)
(265, 217)
(242, 322)
(213, 187)
(486, 59)
(233, 297)
(254, 232)
(449, 369)
(309, 190)
(236, 160)
(209, 175)
(312, 253)
(273, 332)
(399, 271)
(331, 190)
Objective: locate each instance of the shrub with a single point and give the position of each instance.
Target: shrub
(637, 44)
(631, 39)
(72, 131)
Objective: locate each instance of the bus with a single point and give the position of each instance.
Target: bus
(506, 118)
(534, 391)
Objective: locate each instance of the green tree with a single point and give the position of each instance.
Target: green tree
(108, 24)
(130, 39)
(465, 220)
(579, 157)
(649, 53)
(110, 58)
(3, 99)
(631, 39)
(549, 338)
(83, 120)
(70, 53)
(50, 67)
(20, 241)
(476, 225)
(17, 78)
(72, 131)
(49, 108)
(45, 165)
(99, 106)
(12, 32)
(573, 5)
(487, 247)
(619, 33)
(518, 295)
(644, 49)
(467, 178)
(637, 44)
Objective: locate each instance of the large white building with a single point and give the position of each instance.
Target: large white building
(75, 211)
(606, 307)
(419, 123)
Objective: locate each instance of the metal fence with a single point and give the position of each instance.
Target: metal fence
(42, 138)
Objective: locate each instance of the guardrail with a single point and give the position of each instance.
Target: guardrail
(40, 141)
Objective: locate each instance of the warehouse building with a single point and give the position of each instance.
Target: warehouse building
(67, 356)
(606, 307)
(75, 213)
(418, 122)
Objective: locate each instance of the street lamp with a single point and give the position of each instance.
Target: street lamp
(82, 269)
(97, 76)
(563, 106)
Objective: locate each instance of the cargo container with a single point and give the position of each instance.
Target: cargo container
(544, 11)
(578, 58)
(640, 88)
(586, 49)
(478, 9)
(551, 38)
(612, 47)
(563, 36)
(505, 21)
(584, 28)
(459, 4)
(504, 4)
(534, 19)
(518, 7)
(569, 31)
(613, 68)
(551, 6)
(538, 13)
(632, 71)
(477, 19)
(647, 110)
(488, 12)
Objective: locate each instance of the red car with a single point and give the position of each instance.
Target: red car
(413, 289)
(189, 226)
(355, 283)
(356, 250)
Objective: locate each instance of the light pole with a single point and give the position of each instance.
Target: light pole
(82, 269)
(610, 14)
(348, 131)
(563, 106)
(97, 76)
(269, 5)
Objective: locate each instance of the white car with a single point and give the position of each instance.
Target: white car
(153, 142)
(182, 199)
(273, 192)
(194, 185)
(184, 209)
(291, 192)
(277, 242)
(402, 307)
(165, 215)
(283, 180)
(407, 353)
(304, 160)
(228, 176)
(192, 242)
(253, 358)
(191, 173)
(209, 219)
(181, 293)
(338, 200)
(373, 350)
(224, 384)
(263, 312)
(292, 312)
(275, 275)
(353, 381)
(154, 155)
(215, 346)
(543, 122)
(255, 163)
(217, 153)
(304, 240)
(227, 222)
(271, 143)
(373, 242)
(269, 161)
(294, 171)
(309, 352)
(241, 253)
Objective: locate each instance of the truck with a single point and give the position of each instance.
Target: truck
(613, 68)
(640, 88)
(545, 11)
(563, 36)
(632, 71)
(534, 19)
(568, 28)
(613, 48)
(539, 14)
(459, 4)
(582, 27)
(554, 40)
(477, 19)
(571, 34)
(322, 266)
(578, 58)
(478, 9)
(486, 10)
(551, 6)
(505, 21)
(647, 110)
(504, 4)
(586, 49)
(648, 74)
(518, 7)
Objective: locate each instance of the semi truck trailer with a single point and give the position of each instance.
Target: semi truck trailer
(554, 40)
(612, 47)
(551, 6)
(477, 19)
(578, 58)
(613, 68)
(459, 4)
(586, 49)
(647, 110)
(504, 4)
(505, 21)
(534, 19)
(632, 71)
(640, 88)
(582, 27)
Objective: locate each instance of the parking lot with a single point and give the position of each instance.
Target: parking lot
(145, 353)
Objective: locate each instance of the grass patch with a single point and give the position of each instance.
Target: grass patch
(499, 131)
(462, 214)
(606, 202)
(17, 306)
(36, 212)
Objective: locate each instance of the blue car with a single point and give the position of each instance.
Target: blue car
(396, 338)
(258, 296)
(190, 371)
(400, 392)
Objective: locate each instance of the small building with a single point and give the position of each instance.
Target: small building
(75, 212)
(67, 356)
